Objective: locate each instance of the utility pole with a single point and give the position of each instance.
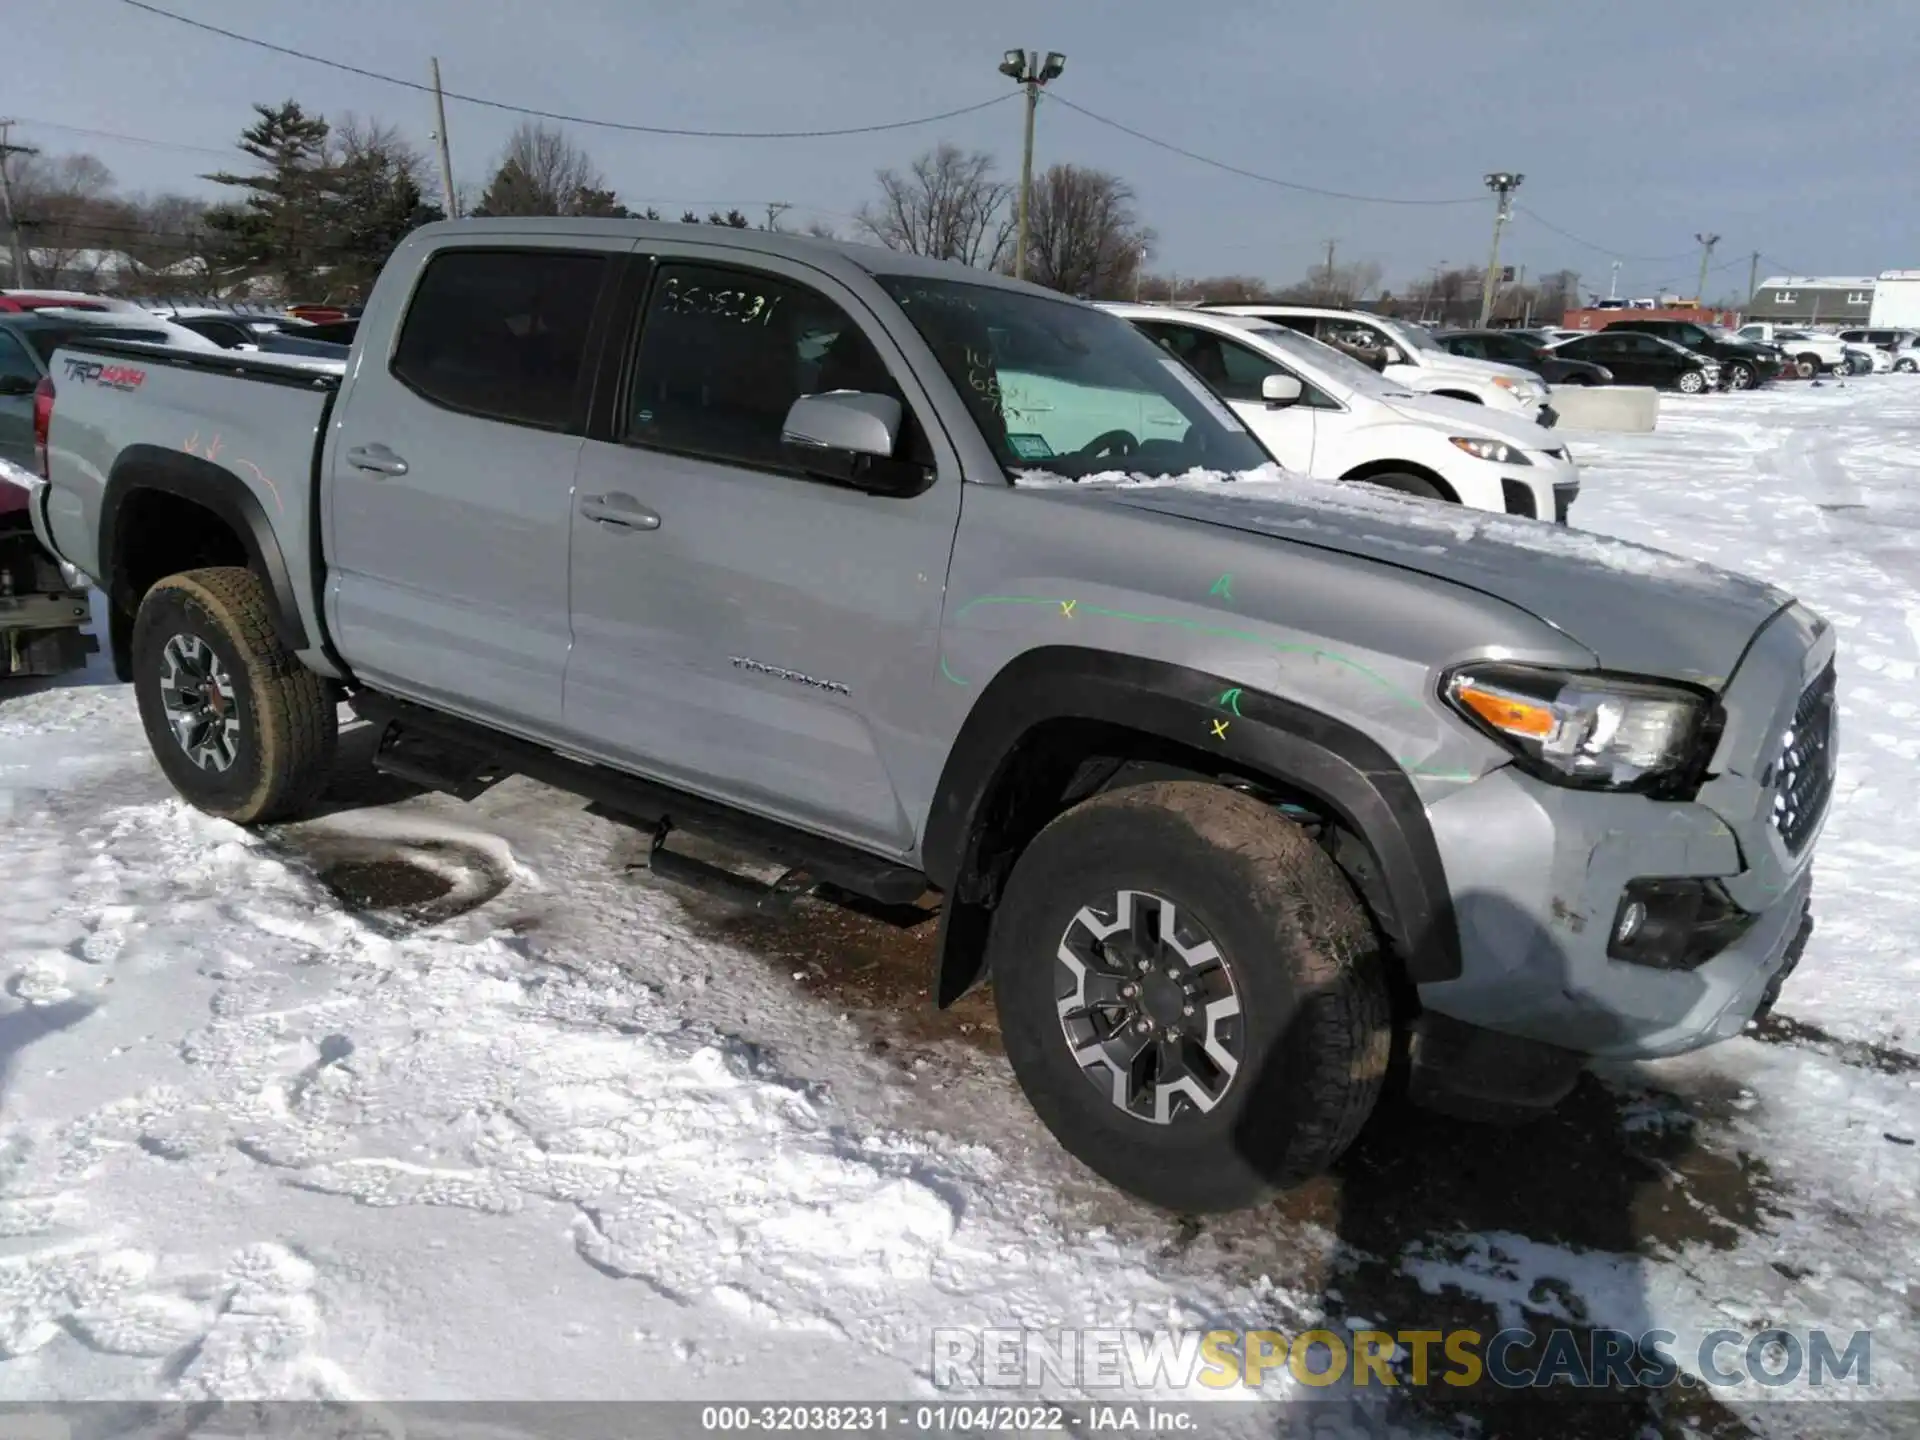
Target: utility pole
(1707, 242)
(1140, 273)
(19, 250)
(1433, 284)
(775, 209)
(446, 154)
(1026, 69)
(1328, 297)
(1613, 284)
(1503, 183)
(1753, 277)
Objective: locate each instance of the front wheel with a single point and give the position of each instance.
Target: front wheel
(1739, 376)
(1190, 994)
(241, 728)
(1906, 364)
(1691, 382)
(1808, 366)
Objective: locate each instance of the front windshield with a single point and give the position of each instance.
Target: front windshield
(1070, 390)
(1413, 337)
(1334, 364)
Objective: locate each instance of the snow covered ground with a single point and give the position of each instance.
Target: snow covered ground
(582, 1139)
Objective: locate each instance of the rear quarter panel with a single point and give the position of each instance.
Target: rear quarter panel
(261, 432)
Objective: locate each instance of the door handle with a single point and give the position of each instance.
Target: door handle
(619, 508)
(376, 460)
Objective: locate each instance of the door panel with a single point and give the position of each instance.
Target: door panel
(772, 638)
(451, 484)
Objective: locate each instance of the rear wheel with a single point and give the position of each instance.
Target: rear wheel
(241, 728)
(1404, 483)
(1190, 994)
(1690, 382)
(1808, 366)
(1906, 364)
(1739, 376)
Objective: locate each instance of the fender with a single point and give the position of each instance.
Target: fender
(154, 467)
(1337, 766)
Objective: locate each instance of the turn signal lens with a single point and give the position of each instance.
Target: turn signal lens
(1506, 712)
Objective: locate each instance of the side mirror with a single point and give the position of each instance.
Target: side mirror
(850, 436)
(1280, 391)
(16, 385)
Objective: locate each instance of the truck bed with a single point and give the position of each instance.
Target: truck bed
(245, 428)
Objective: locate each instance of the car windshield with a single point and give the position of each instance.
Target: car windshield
(1069, 390)
(1334, 364)
(1413, 337)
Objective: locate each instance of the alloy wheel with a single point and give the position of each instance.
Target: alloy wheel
(1148, 1007)
(198, 695)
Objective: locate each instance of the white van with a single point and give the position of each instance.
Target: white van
(1322, 413)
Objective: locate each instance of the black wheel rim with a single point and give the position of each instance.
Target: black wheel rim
(1148, 1008)
(197, 694)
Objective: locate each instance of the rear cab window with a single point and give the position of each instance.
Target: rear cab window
(503, 334)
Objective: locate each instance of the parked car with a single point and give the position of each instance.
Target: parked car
(1637, 359)
(1222, 774)
(1901, 347)
(1814, 351)
(18, 302)
(1528, 350)
(1743, 364)
(1337, 419)
(1410, 355)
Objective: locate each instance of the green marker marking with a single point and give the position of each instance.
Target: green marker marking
(949, 674)
(1198, 628)
(1223, 587)
(1229, 700)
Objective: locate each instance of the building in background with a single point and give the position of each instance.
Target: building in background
(1813, 299)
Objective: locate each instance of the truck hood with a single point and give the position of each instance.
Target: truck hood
(1640, 611)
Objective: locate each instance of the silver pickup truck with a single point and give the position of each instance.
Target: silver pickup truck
(1245, 790)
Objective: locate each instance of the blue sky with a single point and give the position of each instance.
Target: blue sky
(1787, 128)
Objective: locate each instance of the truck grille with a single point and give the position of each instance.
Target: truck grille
(1804, 771)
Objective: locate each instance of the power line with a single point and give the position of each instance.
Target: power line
(556, 115)
(1602, 249)
(226, 154)
(1237, 170)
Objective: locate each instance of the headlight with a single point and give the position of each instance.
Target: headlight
(1592, 731)
(1497, 451)
(1524, 389)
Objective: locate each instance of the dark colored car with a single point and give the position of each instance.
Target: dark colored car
(1637, 359)
(1743, 363)
(334, 332)
(1525, 349)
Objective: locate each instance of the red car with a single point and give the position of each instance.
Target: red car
(26, 301)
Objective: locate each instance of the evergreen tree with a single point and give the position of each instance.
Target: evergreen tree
(281, 229)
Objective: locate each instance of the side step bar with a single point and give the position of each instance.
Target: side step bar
(769, 899)
(443, 752)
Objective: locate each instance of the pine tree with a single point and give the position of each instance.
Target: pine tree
(282, 227)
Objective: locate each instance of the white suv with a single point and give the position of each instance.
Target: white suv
(1811, 350)
(1322, 413)
(1412, 357)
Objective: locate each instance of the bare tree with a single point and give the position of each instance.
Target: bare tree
(542, 172)
(949, 205)
(67, 209)
(1085, 237)
(380, 198)
(1208, 289)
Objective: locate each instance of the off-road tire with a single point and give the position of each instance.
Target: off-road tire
(289, 723)
(1303, 956)
(1403, 482)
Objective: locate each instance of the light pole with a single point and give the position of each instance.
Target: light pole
(1707, 242)
(1613, 284)
(1503, 183)
(1026, 69)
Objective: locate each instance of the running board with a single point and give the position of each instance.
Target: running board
(464, 758)
(766, 897)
